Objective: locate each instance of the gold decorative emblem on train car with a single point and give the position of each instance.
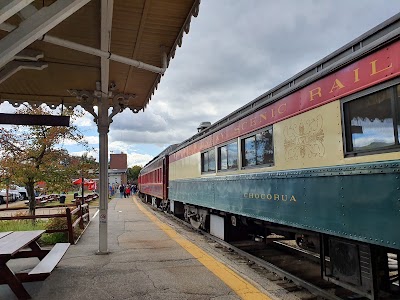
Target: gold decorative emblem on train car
(304, 139)
(272, 197)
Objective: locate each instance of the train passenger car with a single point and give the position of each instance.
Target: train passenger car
(315, 158)
(153, 178)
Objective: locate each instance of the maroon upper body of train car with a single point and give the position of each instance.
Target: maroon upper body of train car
(153, 178)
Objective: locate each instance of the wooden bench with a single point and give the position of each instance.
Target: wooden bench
(50, 261)
(38, 202)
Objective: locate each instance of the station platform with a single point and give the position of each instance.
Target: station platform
(148, 259)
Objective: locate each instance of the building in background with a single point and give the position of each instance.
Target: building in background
(117, 171)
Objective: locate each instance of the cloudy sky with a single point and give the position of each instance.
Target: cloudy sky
(235, 51)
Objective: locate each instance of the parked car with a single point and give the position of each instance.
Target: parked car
(13, 195)
(22, 191)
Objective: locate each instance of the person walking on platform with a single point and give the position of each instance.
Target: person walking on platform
(134, 189)
(127, 191)
(121, 190)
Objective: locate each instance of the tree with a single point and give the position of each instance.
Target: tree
(133, 173)
(33, 153)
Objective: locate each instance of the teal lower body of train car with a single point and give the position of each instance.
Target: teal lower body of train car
(359, 202)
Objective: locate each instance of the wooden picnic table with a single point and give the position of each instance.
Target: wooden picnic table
(87, 198)
(43, 199)
(53, 197)
(22, 244)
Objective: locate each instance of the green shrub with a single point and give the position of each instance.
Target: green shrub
(56, 237)
(42, 224)
(59, 237)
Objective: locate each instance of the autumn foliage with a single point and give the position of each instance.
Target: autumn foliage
(30, 154)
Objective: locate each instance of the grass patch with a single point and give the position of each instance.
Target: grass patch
(22, 225)
(42, 224)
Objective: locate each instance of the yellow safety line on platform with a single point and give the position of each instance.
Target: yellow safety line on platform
(239, 285)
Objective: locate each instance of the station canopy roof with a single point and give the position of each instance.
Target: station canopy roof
(75, 52)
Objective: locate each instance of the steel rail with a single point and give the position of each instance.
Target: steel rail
(303, 253)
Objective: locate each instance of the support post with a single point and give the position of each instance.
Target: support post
(103, 128)
(69, 225)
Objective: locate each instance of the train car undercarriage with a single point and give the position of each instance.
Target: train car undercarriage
(366, 269)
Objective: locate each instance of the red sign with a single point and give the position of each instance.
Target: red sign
(368, 71)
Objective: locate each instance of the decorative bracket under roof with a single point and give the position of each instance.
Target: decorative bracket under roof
(89, 99)
(119, 103)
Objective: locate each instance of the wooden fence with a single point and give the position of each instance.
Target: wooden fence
(80, 215)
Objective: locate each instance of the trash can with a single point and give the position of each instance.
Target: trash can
(62, 198)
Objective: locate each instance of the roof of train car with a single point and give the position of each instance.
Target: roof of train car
(375, 38)
(166, 151)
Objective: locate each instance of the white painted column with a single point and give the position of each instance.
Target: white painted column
(103, 125)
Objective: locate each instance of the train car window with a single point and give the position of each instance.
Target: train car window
(265, 150)
(208, 161)
(223, 158)
(204, 162)
(398, 111)
(211, 160)
(258, 149)
(249, 151)
(228, 156)
(372, 122)
(233, 155)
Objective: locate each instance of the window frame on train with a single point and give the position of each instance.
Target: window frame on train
(219, 156)
(243, 150)
(393, 89)
(203, 155)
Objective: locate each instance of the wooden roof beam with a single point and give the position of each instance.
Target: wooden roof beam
(14, 66)
(93, 51)
(8, 8)
(36, 26)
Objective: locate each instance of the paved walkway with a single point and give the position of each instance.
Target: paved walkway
(146, 261)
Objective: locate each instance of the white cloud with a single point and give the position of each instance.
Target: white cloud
(136, 159)
(7, 108)
(92, 140)
(67, 142)
(86, 120)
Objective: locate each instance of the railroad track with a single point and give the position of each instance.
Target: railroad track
(295, 270)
